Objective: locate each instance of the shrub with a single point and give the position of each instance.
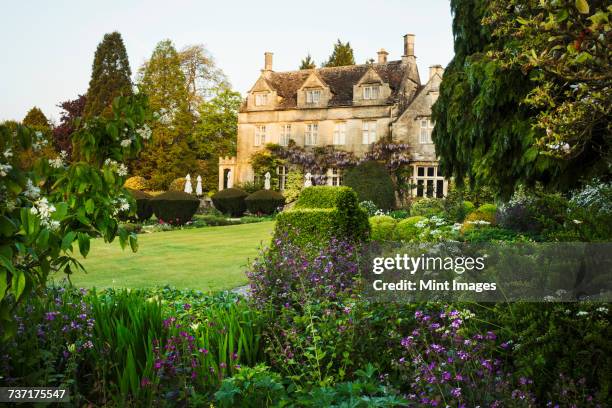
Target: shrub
(400, 214)
(264, 202)
(323, 212)
(371, 182)
(459, 210)
(488, 209)
(382, 227)
(175, 207)
(406, 230)
(478, 219)
(251, 387)
(369, 207)
(136, 183)
(250, 186)
(427, 207)
(230, 201)
(293, 185)
(144, 209)
(178, 184)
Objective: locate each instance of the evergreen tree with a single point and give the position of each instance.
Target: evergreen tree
(35, 118)
(110, 76)
(170, 153)
(307, 63)
(342, 55)
(43, 145)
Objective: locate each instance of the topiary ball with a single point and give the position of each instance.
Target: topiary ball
(136, 183)
(372, 182)
(407, 230)
(144, 209)
(382, 227)
(175, 207)
(230, 201)
(264, 202)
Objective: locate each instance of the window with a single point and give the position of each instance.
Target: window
(334, 177)
(313, 96)
(260, 135)
(261, 99)
(371, 92)
(369, 132)
(282, 177)
(426, 128)
(429, 182)
(312, 134)
(285, 135)
(340, 133)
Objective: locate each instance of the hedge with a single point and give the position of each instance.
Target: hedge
(372, 182)
(144, 209)
(382, 227)
(264, 202)
(427, 207)
(406, 230)
(136, 183)
(175, 207)
(321, 213)
(230, 201)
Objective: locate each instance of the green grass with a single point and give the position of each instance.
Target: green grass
(210, 258)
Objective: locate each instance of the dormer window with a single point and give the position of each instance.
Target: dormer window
(371, 92)
(313, 96)
(427, 126)
(261, 99)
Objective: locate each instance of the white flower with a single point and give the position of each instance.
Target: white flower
(44, 209)
(121, 205)
(577, 222)
(4, 169)
(602, 309)
(110, 162)
(122, 170)
(144, 132)
(126, 142)
(457, 226)
(38, 134)
(582, 313)
(31, 190)
(8, 153)
(58, 162)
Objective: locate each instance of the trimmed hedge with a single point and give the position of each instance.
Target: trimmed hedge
(144, 209)
(322, 213)
(264, 202)
(427, 207)
(230, 201)
(136, 183)
(406, 230)
(372, 182)
(175, 207)
(382, 227)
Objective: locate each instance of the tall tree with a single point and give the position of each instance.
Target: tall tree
(342, 55)
(35, 118)
(215, 133)
(202, 75)
(308, 63)
(110, 76)
(43, 143)
(169, 155)
(71, 110)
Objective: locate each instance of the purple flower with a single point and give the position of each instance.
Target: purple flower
(186, 306)
(456, 392)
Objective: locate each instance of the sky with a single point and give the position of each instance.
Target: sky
(47, 47)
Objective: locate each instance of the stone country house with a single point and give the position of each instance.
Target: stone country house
(349, 107)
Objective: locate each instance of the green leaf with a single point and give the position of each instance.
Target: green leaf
(134, 242)
(583, 57)
(43, 239)
(83, 243)
(562, 16)
(3, 283)
(582, 6)
(61, 209)
(522, 21)
(7, 226)
(531, 154)
(19, 283)
(68, 239)
(89, 206)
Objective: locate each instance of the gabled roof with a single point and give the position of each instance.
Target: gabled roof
(340, 81)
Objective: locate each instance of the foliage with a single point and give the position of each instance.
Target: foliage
(136, 183)
(230, 201)
(477, 233)
(47, 208)
(294, 183)
(250, 186)
(110, 76)
(144, 208)
(369, 207)
(382, 227)
(427, 207)
(308, 63)
(42, 146)
(265, 202)
(251, 387)
(490, 210)
(406, 230)
(591, 211)
(264, 161)
(341, 56)
(175, 207)
(36, 119)
(62, 133)
(399, 214)
(458, 211)
(178, 184)
(372, 182)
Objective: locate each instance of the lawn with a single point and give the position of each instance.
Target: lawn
(210, 258)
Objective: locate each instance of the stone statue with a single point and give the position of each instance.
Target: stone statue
(188, 186)
(267, 181)
(230, 178)
(308, 180)
(199, 186)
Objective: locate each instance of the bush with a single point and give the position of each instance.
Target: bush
(178, 184)
(382, 227)
(369, 207)
(250, 186)
(175, 207)
(230, 201)
(427, 207)
(489, 210)
(144, 209)
(406, 230)
(371, 182)
(136, 183)
(293, 185)
(400, 214)
(323, 212)
(264, 202)
(458, 211)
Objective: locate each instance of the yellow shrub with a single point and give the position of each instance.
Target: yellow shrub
(136, 183)
(178, 184)
(478, 219)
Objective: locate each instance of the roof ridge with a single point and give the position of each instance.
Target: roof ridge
(342, 67)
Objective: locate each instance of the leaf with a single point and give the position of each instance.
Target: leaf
(43, 239)
(133, 242)
(531, 154)
(3, 283)
(522, 21)
(83, 243)
(582, 6)
(562, 16)
(7, 226)
(19, 283)
(68, 239)
(89, 206)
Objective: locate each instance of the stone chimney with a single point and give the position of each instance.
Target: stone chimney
(435, 69)
(382, 56)
(409, 45)
(268, 63)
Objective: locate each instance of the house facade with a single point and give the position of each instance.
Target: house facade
(347, 107)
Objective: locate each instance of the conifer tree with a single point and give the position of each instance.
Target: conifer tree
(341, 56)
(307, 63)
(110, 76)
(35, 118)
